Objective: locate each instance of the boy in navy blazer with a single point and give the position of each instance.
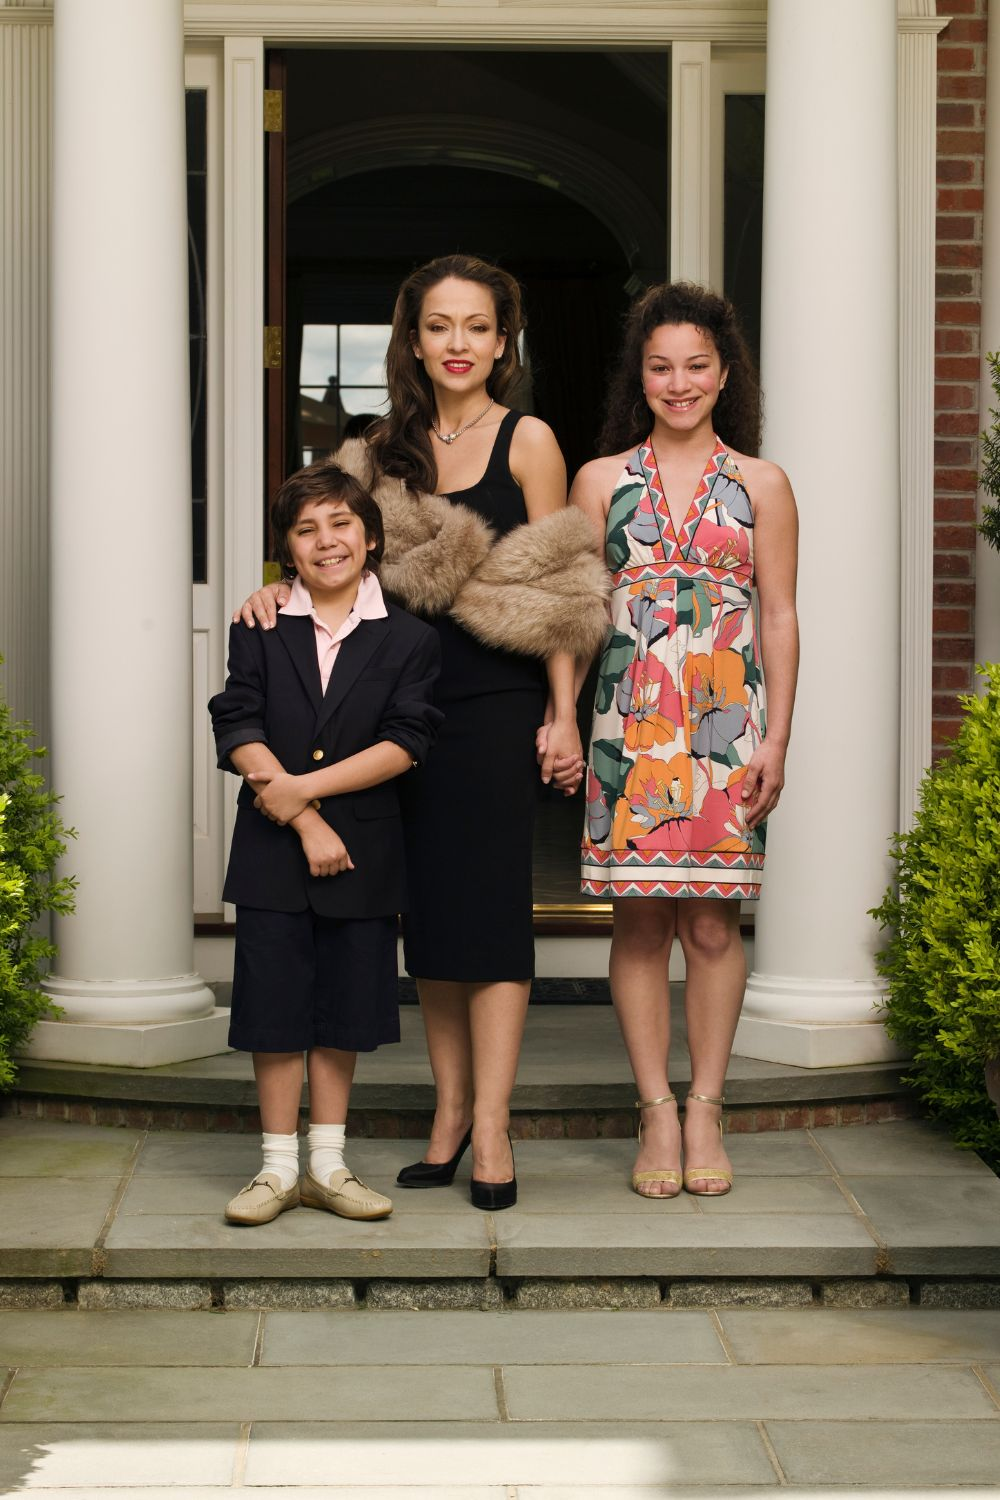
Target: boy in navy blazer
(319, 716)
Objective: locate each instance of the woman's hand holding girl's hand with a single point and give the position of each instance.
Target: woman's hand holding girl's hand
(263, 606)
(764, 779)
(279, 796)
(560, 754)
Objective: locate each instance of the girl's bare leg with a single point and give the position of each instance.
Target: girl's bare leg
(713, 996)
(640, 958)
(496, 1018)
(279, 1090)
(331, 1073)
(445, 1008)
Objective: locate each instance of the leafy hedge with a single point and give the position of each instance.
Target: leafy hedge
(31, 841)
(942, 958)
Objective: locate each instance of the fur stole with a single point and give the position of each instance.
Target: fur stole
(539, 589)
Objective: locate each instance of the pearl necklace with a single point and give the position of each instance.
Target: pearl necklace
(449, 437)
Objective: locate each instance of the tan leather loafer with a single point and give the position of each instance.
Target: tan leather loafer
(346, 1195)
(262, 1200)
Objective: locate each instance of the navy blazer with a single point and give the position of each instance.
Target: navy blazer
(379, 689)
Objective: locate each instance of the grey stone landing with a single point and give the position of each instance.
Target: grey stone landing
(869, 1215)
(573, 1081)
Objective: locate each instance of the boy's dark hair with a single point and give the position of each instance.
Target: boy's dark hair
(323, 481)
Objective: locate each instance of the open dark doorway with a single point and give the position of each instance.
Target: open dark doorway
(554, 165)
(571, 268)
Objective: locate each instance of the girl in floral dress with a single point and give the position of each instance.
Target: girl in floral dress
(684, 765)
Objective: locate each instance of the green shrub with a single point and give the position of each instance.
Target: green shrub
(942, 958)
(31, 841)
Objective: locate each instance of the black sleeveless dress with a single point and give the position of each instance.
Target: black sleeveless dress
(469, 811)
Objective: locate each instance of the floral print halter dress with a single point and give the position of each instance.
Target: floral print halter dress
(680, 694)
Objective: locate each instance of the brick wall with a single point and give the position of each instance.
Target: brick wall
(961, 122)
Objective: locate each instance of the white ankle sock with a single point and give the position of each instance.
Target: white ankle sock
(281, 1155)
(326, 1150)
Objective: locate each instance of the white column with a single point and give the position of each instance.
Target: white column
(831, 383)
(690, 161)
(121, 540)
(988, 561)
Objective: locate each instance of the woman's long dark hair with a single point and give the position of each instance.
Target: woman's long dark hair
(399, 444)
(737, 415)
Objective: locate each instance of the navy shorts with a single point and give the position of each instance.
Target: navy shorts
(302, 980)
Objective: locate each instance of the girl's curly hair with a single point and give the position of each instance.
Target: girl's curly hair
(737, 416)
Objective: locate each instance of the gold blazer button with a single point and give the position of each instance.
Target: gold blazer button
(317, 755)
(316, 803)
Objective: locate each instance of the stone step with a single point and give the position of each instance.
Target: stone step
(890, 1205)
(573, 1080)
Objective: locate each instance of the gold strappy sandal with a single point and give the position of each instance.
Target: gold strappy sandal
(662, 1174)
(708, 1174)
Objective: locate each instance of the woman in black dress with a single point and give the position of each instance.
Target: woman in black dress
(479, 542)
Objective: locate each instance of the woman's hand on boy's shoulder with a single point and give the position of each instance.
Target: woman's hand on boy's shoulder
(263, 605)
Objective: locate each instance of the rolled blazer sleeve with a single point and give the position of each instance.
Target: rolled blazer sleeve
(238, 711)
(410, 718)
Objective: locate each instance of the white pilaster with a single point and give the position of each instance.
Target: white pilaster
(25, 76)
(917, 135)
(988, 561)
(243, 153)
(690, 161)
(830, 362)
(121, 540)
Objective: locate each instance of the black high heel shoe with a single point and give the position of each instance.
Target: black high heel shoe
(424, 1174)
(493, 1195)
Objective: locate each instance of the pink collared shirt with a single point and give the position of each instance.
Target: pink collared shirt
(369, 605)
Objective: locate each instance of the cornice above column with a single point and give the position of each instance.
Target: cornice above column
(922, 25)
(742, 22)
(550, 22)
(919, 16)
(25, 15)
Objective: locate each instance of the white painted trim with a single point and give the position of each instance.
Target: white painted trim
(917, 127)
(741, 22)
(243, 234)
(690, 161)
(203, 70)
(922, 25)
(613, 23)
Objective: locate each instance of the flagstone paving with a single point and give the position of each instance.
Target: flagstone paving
(894, 1199)
(364, 1405)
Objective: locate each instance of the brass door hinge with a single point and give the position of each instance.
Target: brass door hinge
(274, 110)
(272, 347)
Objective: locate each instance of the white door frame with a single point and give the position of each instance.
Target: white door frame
(706, 41)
